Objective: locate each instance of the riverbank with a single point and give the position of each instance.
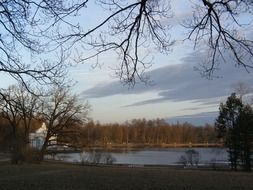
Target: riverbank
(150, 146)
(129, 147)
(59, 176)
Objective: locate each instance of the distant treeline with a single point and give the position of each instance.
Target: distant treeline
(142, 131)
(137, 131)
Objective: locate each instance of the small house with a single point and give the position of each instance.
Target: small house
(37, 138)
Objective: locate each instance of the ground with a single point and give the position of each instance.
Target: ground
(57, 176)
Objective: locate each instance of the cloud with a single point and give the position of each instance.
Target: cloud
(196, 119)
(180, 83)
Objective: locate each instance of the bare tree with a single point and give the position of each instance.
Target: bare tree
(217, 25)
(190, 158)
(241, 89)
(130, 26)
(28, 105)
(135, 29)
(60, 111)
(132, 29)
(244, 92)
(32, 27)
(10, 111)
(19, 107)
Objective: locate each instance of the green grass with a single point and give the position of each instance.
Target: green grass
(52, 176)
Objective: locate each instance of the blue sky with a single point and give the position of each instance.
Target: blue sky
(176, 90)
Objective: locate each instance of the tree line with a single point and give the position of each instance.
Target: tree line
(142, 131)
(136, 132)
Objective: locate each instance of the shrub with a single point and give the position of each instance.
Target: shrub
(31, 155)
(190, 158)
(107, 158)
(17, 157)
(96, 157)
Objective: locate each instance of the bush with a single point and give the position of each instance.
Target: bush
(17, 157)
(31, 155)
(96, 157)
(190, 158)
(107, 158)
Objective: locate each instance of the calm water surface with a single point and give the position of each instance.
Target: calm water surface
(168, 156)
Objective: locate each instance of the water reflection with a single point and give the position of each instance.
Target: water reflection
(168, 156)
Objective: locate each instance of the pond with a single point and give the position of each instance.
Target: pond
(161, 156)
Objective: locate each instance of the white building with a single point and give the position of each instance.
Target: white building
(37, 138)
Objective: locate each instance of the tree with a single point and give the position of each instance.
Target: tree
(217, 22)
(28, 105)
(242, 89)
(19, 108)
(45, 27)
(61, 110)
(30, 27)
(245, 125)
(234, 125)
(142, 23)
(5, 135)
(190, 158)
(227, 127)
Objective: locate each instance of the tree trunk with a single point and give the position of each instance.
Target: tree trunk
(44, 147)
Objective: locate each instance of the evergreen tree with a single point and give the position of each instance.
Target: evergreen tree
(245, 126)
(234, 126)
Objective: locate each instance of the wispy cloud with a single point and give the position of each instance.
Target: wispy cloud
(180, 83)
(177, 83)
(196, 119)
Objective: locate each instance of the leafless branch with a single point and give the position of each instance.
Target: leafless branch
(133, 30)
(217, 24)
(32, 27)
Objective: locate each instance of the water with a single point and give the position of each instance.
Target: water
(168, 156)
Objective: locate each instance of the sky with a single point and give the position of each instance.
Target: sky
(177, 92)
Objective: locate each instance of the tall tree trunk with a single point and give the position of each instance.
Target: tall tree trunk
(44, 147)
(16, 151)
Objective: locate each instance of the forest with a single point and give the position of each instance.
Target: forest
(142, 132)
(137, 132)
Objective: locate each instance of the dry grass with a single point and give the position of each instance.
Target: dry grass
(53, 176)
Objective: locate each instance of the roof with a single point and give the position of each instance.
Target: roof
(42, 129)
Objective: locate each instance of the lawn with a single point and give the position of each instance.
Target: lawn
(55, 176)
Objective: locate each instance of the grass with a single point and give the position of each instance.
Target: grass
(56, 176)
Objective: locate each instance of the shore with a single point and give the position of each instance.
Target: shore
(162, 145)
(129, 147)
(61, 176)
